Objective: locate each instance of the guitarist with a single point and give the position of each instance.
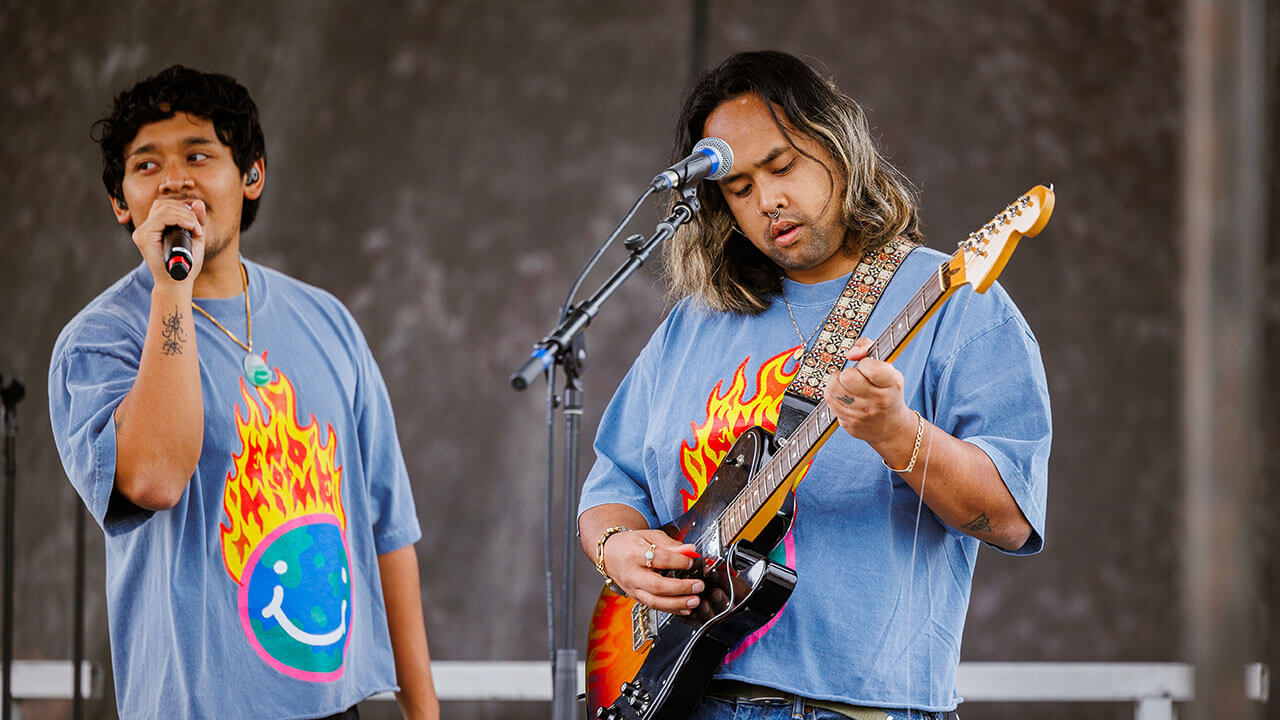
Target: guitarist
(959, 421)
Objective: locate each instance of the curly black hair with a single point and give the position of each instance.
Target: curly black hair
(177, 89)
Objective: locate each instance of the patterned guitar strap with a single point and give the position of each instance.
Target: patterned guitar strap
(839, 331)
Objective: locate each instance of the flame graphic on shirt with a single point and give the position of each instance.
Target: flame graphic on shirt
(731, 412)
(284, 471)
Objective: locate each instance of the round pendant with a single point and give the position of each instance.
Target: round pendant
(255, 368)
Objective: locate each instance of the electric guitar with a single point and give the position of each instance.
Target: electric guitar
(643, 664)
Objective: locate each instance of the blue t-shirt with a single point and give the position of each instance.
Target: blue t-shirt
(877, 612)
(258, 594)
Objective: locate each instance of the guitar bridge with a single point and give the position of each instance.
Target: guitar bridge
(644, 626)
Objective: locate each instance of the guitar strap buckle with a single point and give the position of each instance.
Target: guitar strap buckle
(795, 408)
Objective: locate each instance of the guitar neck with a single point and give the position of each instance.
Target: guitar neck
(818, 426)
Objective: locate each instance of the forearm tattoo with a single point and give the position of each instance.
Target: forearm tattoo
(174, 336)
(979, 524)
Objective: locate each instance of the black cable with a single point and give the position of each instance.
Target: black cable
(582, 276)
(9, 396)
(77, 632)
(549, 556)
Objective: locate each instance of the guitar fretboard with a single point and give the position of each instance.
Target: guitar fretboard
(814, 430)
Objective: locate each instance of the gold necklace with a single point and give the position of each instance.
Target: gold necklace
(255, 366)
(803, 340)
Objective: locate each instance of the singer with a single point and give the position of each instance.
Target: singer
(940, 452)
(232, 435)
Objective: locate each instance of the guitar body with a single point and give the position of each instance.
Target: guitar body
(647, 665)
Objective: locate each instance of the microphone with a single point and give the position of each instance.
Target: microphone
(177, 251)
(711, 159)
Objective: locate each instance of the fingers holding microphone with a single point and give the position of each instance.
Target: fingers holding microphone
(171, 239)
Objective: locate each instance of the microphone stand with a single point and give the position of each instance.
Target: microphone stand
(9, 396)
(564, 347)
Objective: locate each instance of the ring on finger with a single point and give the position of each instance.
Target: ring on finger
(648, 555)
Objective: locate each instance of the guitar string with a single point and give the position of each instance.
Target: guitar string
(915, 533)
(920, 508)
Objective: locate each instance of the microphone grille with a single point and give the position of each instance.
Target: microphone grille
(720, 152)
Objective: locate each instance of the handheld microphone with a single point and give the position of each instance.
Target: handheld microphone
(711, 159)
(177, 251)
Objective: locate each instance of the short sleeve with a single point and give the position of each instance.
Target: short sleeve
(92, 369)
(618, 475)
(395, 517)
(992, 392)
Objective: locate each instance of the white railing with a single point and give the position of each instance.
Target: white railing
(1152, 688)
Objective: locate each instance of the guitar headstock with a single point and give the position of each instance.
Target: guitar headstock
(984, 253)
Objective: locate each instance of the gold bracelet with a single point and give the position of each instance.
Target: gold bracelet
(915, 451)
(604, 536)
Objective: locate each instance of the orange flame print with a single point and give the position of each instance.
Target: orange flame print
(284, 471)
(729, 414)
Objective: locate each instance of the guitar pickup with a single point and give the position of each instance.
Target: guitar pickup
(644, 625)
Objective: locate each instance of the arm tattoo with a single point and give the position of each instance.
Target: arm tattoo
(978, 524)
(173, 335)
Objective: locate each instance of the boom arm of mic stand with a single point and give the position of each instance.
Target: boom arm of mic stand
(552, 347)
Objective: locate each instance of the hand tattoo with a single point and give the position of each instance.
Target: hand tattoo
(846, 399)
(978, 524)
(173, 335)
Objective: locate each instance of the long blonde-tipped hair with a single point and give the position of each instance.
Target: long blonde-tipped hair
(707, 258)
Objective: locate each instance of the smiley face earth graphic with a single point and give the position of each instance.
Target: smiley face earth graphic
(296, 605)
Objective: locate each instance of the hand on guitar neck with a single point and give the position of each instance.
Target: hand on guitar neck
(866, 398)
(625, 559)
(966, 490)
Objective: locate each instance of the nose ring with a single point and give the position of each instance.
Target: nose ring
(774, 215)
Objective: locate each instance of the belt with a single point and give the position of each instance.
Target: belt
(736, 689)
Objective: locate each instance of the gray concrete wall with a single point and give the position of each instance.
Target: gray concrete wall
(494, 144)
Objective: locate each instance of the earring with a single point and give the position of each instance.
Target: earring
(121, 204)
(253, 175)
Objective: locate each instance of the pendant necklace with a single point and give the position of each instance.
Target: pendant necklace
(255, 367)
(803, 341)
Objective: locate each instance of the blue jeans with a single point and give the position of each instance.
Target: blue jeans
(716, 708)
